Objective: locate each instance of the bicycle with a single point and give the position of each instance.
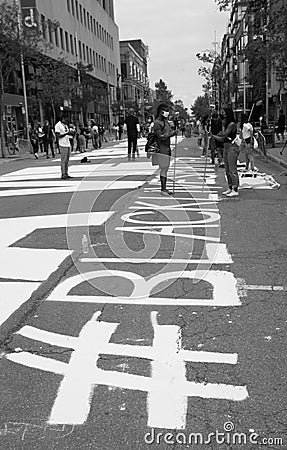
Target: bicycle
(20, 147)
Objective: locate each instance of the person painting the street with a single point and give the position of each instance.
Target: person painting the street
(163, 133)
(63, 135)
(247, 141)
(231, 151)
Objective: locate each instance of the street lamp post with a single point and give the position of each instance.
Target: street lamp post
(23, 76)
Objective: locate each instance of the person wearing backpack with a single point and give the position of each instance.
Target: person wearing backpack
(163, 132)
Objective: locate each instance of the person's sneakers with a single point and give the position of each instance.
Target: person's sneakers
(227, 192)
(36, 156)
(68, 176)
(48, 157)
(232, 194)
(166, 193)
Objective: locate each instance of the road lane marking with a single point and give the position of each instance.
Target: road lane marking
(216, 254)
(224, 286)
(14, 295)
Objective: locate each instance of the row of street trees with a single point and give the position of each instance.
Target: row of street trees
(164, 95)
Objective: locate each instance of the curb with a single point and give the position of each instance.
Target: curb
(277, 160)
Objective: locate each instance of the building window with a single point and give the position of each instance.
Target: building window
(73, 7)
(62, 38)
(84, 13)
(56, 37)
(68, 5)
(95, 26)
(44, 27)
(94, 58)
(84, 52)
(71, 44)
(76, 48)
(97, 29)
(91, 58)
(124, 70)
(88, 20)
(97, 61)
(50, 32)
(80, 48)
(81, 13)
(77, 9)
(91, 19)
(67, 42)
(104, 4)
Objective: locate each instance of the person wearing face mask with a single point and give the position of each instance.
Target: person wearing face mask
(163, 133)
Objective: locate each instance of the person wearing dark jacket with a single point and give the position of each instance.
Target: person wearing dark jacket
(132, 127)
(281, 125)
(163, 133)
(216, 146)
(48, 139)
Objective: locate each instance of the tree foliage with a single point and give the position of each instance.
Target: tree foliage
(178, 107)
(54, 80)
(163, 95)
(15, 42)
(200, 107)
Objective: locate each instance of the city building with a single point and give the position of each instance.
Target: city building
(253, 80)
(85, 34)
(134, 74)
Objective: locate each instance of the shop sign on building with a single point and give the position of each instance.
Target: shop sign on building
(29, 14)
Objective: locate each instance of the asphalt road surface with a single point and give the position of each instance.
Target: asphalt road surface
(169, 332)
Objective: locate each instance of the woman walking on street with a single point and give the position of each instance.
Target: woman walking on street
(163, 133)
(230, 152)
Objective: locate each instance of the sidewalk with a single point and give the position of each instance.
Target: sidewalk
(274, 154)
(24, 156)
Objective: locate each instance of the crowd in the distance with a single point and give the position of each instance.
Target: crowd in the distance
(43, 138)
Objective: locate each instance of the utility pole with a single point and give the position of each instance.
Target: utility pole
(267, 65)
(23, 75)
(79, 77)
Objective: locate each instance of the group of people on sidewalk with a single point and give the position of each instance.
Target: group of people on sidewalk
(44, 138)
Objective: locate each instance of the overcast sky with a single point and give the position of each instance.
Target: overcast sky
(174, 30)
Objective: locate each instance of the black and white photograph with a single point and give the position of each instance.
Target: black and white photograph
(143, 224)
